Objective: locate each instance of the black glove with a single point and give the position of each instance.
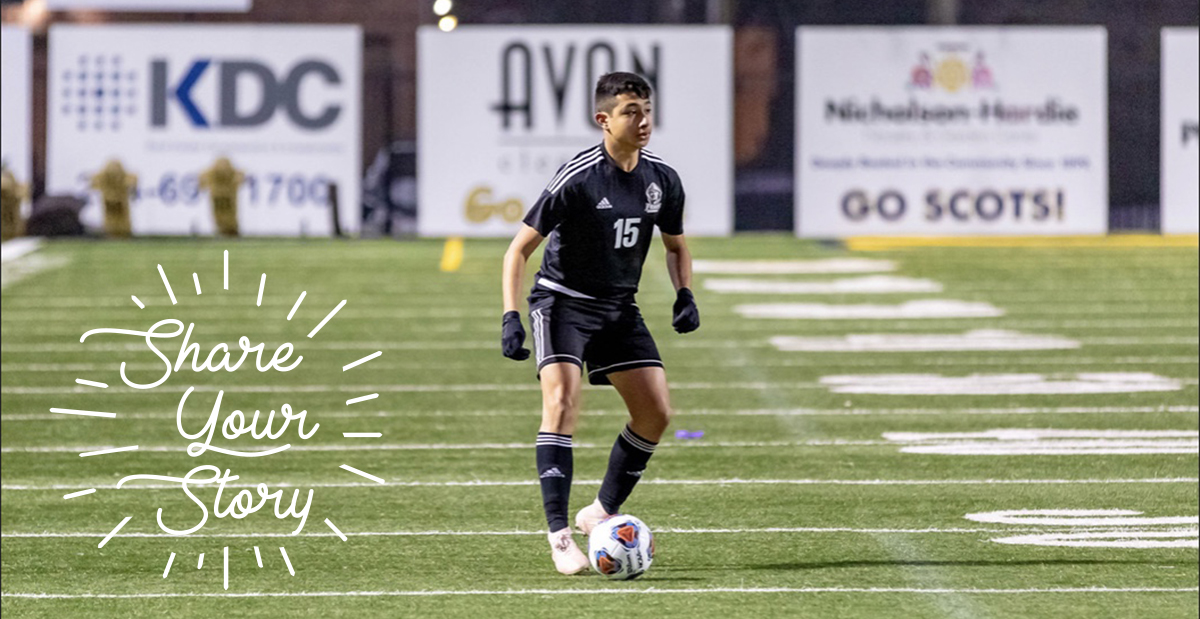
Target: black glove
(687, 317)
(513, 337)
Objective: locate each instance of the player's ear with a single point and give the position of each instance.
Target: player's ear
(602, 120)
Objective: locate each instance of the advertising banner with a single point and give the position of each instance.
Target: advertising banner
(281, 102)
(15, 115)
(1180, 131)
(501, 108)
(951, 131)
(182, 6)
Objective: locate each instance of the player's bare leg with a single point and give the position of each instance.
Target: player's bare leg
(648, 400)
(561, 386)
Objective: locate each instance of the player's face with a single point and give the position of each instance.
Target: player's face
(630, 121)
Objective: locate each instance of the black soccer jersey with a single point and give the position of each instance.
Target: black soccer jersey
(600, 220)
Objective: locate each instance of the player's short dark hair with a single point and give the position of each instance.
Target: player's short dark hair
(618, 83)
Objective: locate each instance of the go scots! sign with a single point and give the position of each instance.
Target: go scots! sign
(946, 131)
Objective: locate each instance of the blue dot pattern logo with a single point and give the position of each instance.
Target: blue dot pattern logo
(100, 92)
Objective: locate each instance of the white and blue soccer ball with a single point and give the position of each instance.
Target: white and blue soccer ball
(621, 547)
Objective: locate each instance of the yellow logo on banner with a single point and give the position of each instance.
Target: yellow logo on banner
(951, 74)
(953, 71)
(481, 207)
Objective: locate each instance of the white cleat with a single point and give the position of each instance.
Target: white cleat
(568, 558)
(590, 516)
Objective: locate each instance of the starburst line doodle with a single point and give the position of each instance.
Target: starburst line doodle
(236, 424)
(72, 411)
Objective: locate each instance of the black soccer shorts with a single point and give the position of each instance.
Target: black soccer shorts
(608, 336)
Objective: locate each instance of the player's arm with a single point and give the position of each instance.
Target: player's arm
(679, 260)
(686, 317)
(513, 334)
(522, 246)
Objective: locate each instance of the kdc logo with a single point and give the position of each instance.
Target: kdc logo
(279, 92)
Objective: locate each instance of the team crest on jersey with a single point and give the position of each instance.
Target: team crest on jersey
(653, 198)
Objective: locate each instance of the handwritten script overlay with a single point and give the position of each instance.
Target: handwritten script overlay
(235, 425)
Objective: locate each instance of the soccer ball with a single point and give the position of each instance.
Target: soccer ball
(621, 547)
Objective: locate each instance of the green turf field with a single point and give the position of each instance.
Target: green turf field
(802, 498)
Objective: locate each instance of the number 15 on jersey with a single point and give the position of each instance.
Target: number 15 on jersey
(627, 232)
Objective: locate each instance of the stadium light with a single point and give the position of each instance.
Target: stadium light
(441, 8)
(448, 23)
(34, 14)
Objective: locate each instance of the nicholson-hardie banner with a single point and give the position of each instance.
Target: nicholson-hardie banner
(500, 108)
(1180, 130)
(948, 131)
(281, 102)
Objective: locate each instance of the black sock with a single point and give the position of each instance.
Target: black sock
(555, 464)
(625, 465)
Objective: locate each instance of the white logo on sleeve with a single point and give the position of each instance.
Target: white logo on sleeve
(653, 198)
(604, 203)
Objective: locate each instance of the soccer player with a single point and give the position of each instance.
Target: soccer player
(599, 212)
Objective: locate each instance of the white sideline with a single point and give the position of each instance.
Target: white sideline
(18, 247)
(655, 482)
(601, 591)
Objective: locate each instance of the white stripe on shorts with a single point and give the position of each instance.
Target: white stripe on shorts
(654, 361)
(557, 287)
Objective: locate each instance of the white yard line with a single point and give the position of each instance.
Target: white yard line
(915, 386)
(430, 297)
(444, 345)
(417, 388)
(713, 412)
(805, 361)
(871, 284)
(926, 309)
(683, 414)
(970, 341)
(794, 266)
(607, 591)
(464, 446)
(1004, 383)
(653, 482)
(519, 533)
